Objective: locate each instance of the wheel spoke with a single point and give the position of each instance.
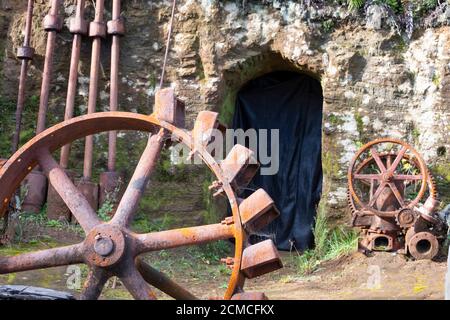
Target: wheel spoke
(377, 159)
(408, 177)
(74, 199)
(42, 259)
(130, 200)
(182, 237)
(94, 284)
(377, 194)
(398, 159)
(397, 193)
(160, 281)
(367, 177)
(135, 283)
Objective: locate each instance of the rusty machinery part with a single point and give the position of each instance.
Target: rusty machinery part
(116, 28)
(110, 248)
(422, 244)
(78, 27)
(406, 218)
(426, 211)
(97, 31)
(52, 24)
(404, 215)
(24, 53)
(380, 241)
(386, 177)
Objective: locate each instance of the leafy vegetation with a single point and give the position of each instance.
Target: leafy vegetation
(330, 243)
(421, 6)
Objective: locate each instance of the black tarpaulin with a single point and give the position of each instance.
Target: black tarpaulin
(292, 103)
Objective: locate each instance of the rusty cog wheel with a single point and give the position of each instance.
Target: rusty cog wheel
(386, 164)
(111, 248)
(432, 188)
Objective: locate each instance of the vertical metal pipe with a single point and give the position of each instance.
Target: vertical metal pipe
(52, 25)
(25, 54)
(97, 31)
(78, 28)
(114, 94)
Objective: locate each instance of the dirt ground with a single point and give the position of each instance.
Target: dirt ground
(381, 276)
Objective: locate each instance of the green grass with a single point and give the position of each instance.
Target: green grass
(330, 244)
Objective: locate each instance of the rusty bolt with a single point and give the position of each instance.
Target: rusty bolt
(103, 245)
(228, 221)
(229, 261)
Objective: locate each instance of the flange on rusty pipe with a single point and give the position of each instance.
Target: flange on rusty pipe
(78, 27)
(110, 180)
(36, 183)
(97, 31)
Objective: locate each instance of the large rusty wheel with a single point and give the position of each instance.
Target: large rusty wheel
(111, 248)
(380, 166)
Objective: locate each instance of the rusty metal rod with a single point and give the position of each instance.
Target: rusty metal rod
(42, 259)
(74, 199)
(183, 237)
(114, 87)
(94, 284)
(52, 24)
(78, 29)
(147, 164)
(135, 283)
(160, 281)
(97, 32)
(25, 54)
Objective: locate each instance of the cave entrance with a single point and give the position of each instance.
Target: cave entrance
(292, 103)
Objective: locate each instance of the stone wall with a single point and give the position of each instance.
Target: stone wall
(376, 83)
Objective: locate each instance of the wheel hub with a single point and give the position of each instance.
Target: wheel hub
(105, 245)
(387, 176)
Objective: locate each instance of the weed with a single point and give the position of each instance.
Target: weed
(355, 4)
(330, 244)
(328, 25)
(436, 79)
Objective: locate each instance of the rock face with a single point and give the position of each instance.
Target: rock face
(375, 83)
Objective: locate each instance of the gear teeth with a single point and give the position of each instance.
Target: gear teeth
(351, 203)
(259, 259)
(432, 186)
(239, 167)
